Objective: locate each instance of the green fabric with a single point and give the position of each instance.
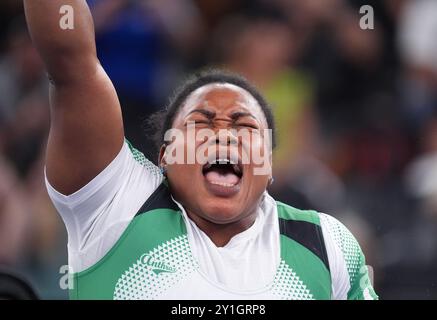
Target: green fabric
(289, 213)
(159, 236)
(360, 284)
(144, 233)
(311, 270)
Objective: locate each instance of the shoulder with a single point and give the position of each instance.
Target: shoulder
(339, 249)
(98, 214)
(303, 227)
(332, 227)
(351, 278)
(342, 237)
(140, 159)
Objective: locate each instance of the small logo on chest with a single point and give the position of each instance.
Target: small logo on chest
(156, 266)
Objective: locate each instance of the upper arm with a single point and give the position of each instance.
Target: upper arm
(86, 131)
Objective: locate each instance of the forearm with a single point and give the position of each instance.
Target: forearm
(68, 54)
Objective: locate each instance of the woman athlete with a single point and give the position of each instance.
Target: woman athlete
(200, 229)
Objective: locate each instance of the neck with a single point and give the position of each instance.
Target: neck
(221, 234)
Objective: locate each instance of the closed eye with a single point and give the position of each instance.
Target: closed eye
(247, 125)
(197, 121)
(202, 122)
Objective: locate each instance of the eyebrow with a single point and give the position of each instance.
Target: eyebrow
(209, 114)
(237, 115)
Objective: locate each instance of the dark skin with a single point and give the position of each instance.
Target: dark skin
(216, 107)
(86, 127)
(86, 131)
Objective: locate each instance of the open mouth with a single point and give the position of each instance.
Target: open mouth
(222, 172)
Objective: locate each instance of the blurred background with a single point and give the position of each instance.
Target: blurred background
(356, 112)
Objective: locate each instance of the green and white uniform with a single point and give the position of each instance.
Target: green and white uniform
(129, 239)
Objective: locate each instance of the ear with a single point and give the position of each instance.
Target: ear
(161, 157)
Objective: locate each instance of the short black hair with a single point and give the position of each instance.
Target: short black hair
(163, 120)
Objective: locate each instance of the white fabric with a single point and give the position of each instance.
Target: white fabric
(337, 262)
(252, 254)
(417, 33)
(96, 215)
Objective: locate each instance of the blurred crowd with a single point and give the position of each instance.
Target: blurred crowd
(356, 112)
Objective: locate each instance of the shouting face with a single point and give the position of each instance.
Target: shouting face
(223, 130)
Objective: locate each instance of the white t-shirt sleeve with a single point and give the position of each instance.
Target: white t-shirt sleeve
(337, 263)
(349, 273)
(96, 215)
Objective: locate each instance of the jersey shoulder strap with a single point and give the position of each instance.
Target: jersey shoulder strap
(303, 226)
(159, 199)
(303, 252)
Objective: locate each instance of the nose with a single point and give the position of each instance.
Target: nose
(226, 139)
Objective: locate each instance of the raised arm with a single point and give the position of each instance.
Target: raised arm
(86, 131)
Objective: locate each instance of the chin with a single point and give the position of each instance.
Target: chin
(221, 211)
